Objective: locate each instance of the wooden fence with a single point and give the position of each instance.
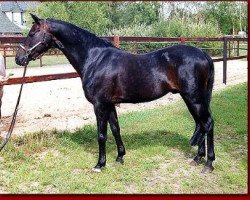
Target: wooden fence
(8, 46)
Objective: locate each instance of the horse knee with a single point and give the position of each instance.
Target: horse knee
(102, 138)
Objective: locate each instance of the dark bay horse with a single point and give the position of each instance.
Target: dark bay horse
(110, 76)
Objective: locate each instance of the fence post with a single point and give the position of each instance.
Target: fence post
(116, 41)
(229, 49)
(41, 62)
(4, 56)
(225, 60)
(238, 47)
(183, 41)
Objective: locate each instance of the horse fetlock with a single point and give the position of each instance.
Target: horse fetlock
(99, 166)
(119, 159)
(121, 151)
(97, 169)
(196, 161)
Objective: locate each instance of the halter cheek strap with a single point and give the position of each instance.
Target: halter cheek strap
(29, 51)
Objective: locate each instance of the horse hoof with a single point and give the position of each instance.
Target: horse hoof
(97, 169)
(207, 170)
(120, 160)
(194, 163)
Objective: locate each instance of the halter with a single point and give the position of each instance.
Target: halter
(30, 50)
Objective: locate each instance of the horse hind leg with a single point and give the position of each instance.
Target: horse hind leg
(198, 137)
(207, 122)
(114, 126)
(202, 114)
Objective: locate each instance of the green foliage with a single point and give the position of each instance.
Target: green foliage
(184, 17)
(133, 30)
(140, 13)
(54, 9)
(126, 14)
(100, 17)
(172, 28)
(178, 28)
(89, 15)
(229, 15)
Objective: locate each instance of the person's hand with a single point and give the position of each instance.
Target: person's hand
(3, 80)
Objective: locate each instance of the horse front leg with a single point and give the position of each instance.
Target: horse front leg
(102, 112)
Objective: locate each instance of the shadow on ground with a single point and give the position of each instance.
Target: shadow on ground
(87, 138)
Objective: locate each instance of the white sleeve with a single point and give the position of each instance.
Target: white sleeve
(2, 66)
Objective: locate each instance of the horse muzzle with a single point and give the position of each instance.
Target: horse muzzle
(22, 60)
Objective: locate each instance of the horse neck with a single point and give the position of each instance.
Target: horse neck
(77, 43)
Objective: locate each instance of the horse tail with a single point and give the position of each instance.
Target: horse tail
(210, 81)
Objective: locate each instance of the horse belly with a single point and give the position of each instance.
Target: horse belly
(140, 93)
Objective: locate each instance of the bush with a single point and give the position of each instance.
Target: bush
(171, 28)
(134, 30)
(186, 28)
(177, 28)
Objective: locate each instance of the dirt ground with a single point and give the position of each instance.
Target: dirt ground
(61, 104)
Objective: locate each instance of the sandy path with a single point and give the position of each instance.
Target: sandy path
(61, 104)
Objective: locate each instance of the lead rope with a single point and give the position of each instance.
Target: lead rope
(13, 121)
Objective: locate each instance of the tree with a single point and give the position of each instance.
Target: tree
(131, 13)
(227, 14)
(89, 15)
(57, 10)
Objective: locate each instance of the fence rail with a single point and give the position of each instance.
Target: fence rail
(9, 44)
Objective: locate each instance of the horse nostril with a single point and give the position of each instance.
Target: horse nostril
(17, 60)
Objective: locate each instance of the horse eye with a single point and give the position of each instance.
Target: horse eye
(31, 34)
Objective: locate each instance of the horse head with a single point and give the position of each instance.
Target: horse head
(37, 42)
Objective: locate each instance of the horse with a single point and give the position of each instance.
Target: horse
(112, 76)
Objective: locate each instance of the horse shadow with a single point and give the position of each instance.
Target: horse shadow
(87, 138)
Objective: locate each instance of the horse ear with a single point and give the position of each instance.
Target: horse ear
(35, 18)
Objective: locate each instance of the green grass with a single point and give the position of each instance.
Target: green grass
(46, 60)
(158, 153)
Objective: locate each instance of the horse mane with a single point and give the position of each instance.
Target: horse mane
(92, 38)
